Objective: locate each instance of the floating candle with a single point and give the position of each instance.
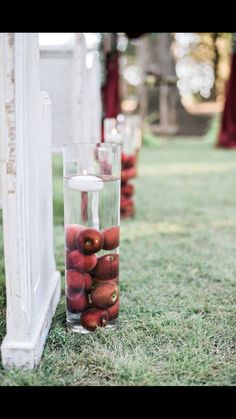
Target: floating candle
(113, 136)
(85, 183)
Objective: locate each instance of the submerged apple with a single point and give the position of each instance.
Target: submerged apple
(127, 174)
(83, 263)
(75, 280)
(127, 190)
(89, 241)
(104, 295)
(93, 318)
(113, 311)
(99, 280)
(71, 231)
(111, 238)
(126, 203)
(107, 266)
(127, 161)
(76, 301)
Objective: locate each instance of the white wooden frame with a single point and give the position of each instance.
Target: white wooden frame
(71, 75)
(78, 89)
(0, 188)
(32, 282)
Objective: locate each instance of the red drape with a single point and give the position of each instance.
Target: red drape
(110, 91)
(227, 135)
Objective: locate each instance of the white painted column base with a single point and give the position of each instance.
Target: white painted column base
(28, 354)
(32, 281)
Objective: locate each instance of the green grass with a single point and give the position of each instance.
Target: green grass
(178, 281)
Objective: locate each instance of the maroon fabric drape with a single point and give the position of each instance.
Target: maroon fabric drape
(227, 135)
(110, 91)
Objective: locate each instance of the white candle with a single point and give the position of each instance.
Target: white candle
(114, 136)
(85, 183)
(88, 183)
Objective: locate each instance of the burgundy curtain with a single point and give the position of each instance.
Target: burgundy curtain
(110, 91)
(227, 135)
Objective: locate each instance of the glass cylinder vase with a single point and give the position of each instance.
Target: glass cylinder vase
(122, 130)
(134, 131)
(92, 231)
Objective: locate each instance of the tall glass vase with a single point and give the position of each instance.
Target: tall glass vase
(122, 130)
(92, 232)
(134, 124)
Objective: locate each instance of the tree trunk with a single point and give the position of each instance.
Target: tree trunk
(155, 56)
(216, 59)
(144, 58)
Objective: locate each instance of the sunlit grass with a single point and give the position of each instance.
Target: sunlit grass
(178, 281)
(189, 169)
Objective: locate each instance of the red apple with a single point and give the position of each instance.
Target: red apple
(67, 252)
(71, 231)
(127, 161)
(75, 280)
(127, 190)
(131, 161)
(88, 282)
(89, 241)
(76, 301)
(127, 212)
(115, 280)
(99, 280)
(105, 168)
(107, 267)
(126, 202)
(111, 238)
(83, 263)
(113, 311)
(104, 295)
(93, 318)
(127, 174)
(123, 156)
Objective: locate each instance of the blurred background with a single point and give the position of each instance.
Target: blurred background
(176, 81)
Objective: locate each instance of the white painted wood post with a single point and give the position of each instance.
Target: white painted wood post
(0, 184)
(56, 79)
(86, 93)
(71, 75)
(32, 282)
(78, 90)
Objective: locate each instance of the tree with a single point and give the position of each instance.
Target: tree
(156, 58)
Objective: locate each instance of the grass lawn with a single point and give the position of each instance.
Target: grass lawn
(178, 281)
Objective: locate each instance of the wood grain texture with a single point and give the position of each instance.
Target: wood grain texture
(32, 283)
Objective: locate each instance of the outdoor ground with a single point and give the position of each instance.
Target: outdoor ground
(178, 280)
